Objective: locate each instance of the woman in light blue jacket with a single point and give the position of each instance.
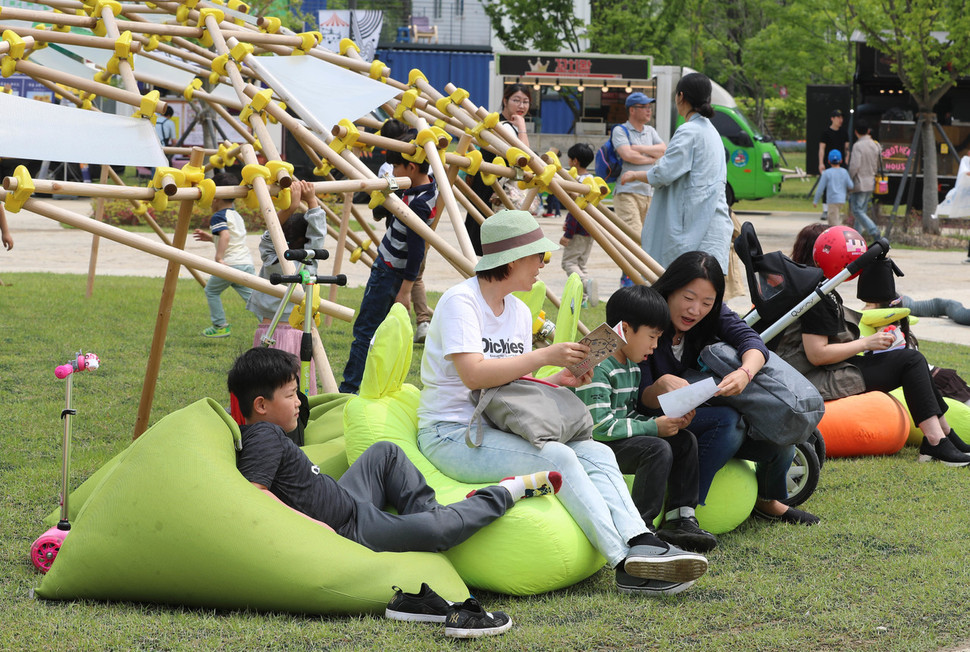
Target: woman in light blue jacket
(689, 211)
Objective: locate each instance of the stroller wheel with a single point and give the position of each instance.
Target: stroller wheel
(803, 474)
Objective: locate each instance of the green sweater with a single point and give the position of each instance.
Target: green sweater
(612, 401)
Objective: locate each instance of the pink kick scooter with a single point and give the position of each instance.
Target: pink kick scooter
(45, 548)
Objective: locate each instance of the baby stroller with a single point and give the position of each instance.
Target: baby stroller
(781, 292)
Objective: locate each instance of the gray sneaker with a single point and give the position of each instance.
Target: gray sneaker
(421, 332)
(630, 585)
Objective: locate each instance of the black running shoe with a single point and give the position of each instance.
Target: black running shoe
(469, 620)
(960, 445)
(626, 583)
(945, 452)
(792, 516)
(425, 606)
(685, 533)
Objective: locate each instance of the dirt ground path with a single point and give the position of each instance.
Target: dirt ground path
(43, 245)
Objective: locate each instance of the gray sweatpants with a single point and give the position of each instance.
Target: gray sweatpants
(384, 476)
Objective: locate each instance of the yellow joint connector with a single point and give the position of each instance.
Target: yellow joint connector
(123, 46)
(222, 158)
(25, 188)
(573, 172)
(515, 156)
(408, 98)
(149, 102)
(323, 169)
(251, 171)
(414, 76)
(182, 14)
(489, 122)
(553, 159)
(239, 5)
(308, 41)
(346, 44)
(603, 189)
(16, 52)
(272, 118)
(540, 181)
(193, 175)
(194, 85)
(207, 189)
(274, 168)
(152, 44)
(377, 197)
(283, 199)
(241, 50)
(489, 179)
(457, 97)
(298, 315)
(349, 139)
(271, 25)
(141, 209)
(441, 135)
(475, 162)
(377, 70)
(218, 68)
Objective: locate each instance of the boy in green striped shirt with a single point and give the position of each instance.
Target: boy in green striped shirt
(659, 452)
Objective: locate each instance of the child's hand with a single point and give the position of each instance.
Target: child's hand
(7, 241)
(202, 236)
(308, 192)
(563, 241)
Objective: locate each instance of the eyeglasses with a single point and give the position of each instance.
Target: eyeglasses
(519, 101)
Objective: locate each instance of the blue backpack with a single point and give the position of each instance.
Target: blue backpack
(607, 162)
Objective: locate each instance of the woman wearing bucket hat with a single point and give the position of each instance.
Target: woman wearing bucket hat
(480, 337)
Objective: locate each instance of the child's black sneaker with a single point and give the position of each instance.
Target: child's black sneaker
(425, 606)
(469, 620)
(945, 451)
(685, 533)
(651, 558)
(626, 583)
(960, 445)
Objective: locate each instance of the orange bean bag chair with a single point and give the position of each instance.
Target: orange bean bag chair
(873, 423)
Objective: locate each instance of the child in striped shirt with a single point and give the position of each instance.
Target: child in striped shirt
(659, 451)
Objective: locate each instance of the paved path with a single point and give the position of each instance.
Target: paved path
(43, 245)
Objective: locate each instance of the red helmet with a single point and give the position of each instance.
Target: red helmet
(836, 247)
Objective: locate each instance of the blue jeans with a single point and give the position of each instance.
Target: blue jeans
(593, 490)
(858, 203)
(382, 288)
(216, 286)
(720, 436)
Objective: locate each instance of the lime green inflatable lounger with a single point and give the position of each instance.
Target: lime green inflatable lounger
(171, 520)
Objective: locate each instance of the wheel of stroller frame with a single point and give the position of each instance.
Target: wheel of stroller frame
(803, 474)
(45, 549)
(819, 442)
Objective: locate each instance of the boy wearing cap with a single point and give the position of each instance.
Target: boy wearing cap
(481, 337)
(639, 145)
(836, 180)
(397, 266)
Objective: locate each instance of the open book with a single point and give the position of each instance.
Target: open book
(602, 342)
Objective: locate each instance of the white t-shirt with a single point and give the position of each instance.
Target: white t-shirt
(464, 323)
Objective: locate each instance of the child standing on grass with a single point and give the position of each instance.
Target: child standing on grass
(397, 266)
(660, 453)
(576, 242)
(836, 179)
(228, 231)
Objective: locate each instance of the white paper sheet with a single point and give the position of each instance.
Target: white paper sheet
(681, 401)
(329, 92)
(48, 132)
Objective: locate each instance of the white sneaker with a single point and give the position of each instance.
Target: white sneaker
(421, 332)
(592, 291)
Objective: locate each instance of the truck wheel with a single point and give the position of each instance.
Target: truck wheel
(803, 474)
(729, 194)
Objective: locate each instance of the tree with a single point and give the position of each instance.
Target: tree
(930, 43)
(540, 25)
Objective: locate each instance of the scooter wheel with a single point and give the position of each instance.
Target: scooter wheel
(44, 550)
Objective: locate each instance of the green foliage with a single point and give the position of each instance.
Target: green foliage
(546, 26)
(620, 27)
(786, 114)
(119, 212)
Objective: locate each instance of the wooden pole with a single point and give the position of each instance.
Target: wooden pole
(338, 254)
(95, 240)
(164, 312)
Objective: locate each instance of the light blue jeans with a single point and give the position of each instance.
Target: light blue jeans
(216, 286)
(858, 203)
(593, 490)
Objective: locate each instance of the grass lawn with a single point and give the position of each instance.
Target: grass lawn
(885, 569)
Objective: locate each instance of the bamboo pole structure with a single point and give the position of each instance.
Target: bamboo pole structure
(338, 254)
(164, 312)
(95, 240)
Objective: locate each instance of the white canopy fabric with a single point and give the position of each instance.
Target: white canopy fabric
(330, 93)
(48, 132)
(61, 62)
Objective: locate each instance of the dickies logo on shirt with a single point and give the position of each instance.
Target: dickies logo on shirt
(315, 469)
(502, 348)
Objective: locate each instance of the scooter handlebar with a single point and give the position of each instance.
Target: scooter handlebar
(81, 362)
(306, 254)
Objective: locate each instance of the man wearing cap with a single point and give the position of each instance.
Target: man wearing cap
(835, 137)
(639, 145)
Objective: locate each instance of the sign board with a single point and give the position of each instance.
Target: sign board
(569, 65)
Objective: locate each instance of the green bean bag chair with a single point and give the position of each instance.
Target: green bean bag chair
(535, 547)
(957, 415)
(171, 520)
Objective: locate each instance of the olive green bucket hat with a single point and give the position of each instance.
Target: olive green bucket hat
(511, 235)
